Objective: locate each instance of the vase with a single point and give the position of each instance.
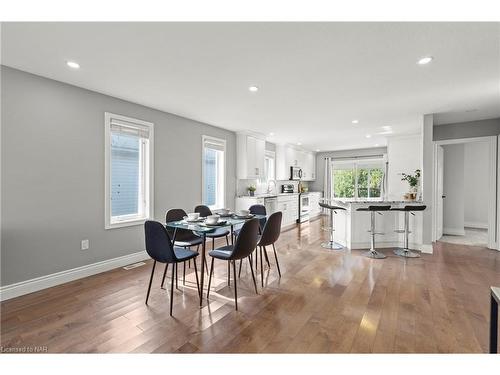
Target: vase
(251, 193)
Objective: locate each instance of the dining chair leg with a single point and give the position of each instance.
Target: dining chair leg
(261, 268)
(206, 264)
(196, 274)
(184, 273)
(213, 243)
(253, 276)
(239, 271)
(189, 263)
(164, 274)
(277, 263)
(150, 281)
(267, 259)
(172, 288)
(176, 276)
(228, 273)
(210, 276)
(235, 288)
(227, 241)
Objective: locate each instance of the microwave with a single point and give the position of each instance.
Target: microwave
(295, 173)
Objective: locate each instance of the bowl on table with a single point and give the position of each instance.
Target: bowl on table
(224, 211)
(243, 213)
(193, 216)
(212, 219)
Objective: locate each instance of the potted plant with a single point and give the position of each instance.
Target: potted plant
(251, 190)
(412, 180)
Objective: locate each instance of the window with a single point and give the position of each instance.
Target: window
(129, 166)
(269, 169)
(214, 166)
(358, 178)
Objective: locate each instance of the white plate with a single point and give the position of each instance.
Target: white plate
(193, 221)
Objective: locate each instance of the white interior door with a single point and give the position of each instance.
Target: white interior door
(440, 192)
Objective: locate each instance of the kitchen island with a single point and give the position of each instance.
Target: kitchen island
(352, 226)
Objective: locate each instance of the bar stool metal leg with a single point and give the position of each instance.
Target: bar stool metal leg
(405, 251)
(331, 244)
(372, 253)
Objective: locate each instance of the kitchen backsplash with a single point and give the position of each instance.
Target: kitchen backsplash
(262, 187)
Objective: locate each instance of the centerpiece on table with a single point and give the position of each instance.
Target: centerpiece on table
(412, 180)
(251, 190)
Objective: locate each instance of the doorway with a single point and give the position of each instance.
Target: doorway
(465, 191)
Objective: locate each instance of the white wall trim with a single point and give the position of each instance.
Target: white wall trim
(476, 224)
(43, 282)
(493, 196)
(454, 231)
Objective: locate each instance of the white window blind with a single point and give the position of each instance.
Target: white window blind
(213, 189)
(129, 160)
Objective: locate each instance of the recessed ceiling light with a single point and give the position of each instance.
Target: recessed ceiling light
(376, 145)
(355, 121)
(425, 60)
(271, 134)
(253, 88)
(387, 128)
(73, 65)
(368, 136)
(318, 150)
(298, 143)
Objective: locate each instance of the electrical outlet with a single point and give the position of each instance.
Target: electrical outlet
(85, 245)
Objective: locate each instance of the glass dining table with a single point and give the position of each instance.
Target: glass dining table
(201, 229)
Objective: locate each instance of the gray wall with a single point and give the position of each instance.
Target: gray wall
(453, 188)
(482, 128)
(53, 174)
(320, 162)
(476, 185)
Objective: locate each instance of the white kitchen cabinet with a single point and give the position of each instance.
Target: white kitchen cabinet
(288, 156)
(289, 206)
(250, 155)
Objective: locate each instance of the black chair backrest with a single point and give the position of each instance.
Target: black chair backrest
(272, 229)
(246, 240)
(158, 245)
(330, 207)
(204, 211)
(379, 208)
(259, 209)
(415, 208)
(176, 214)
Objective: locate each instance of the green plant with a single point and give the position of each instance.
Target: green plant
(251, 188)
(411, 179)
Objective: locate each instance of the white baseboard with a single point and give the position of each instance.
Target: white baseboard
(476, 224)
(454, 231)
(43, 282)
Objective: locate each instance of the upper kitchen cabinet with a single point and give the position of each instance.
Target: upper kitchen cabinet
(250, 149)
(288, 156)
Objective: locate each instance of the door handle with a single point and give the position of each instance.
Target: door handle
(443, 196)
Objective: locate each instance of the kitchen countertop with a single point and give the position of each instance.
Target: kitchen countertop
(366, 201)
(267, 195)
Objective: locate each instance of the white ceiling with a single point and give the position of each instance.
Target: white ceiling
(314, 78)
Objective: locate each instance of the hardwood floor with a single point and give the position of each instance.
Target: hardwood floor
(325, 302)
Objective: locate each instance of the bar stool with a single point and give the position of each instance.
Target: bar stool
(405, 251)
(372, 253)
(331, 244)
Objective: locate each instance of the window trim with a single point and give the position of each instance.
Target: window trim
(271, 155)
(356, 161)
(224, 185)
(108, 116)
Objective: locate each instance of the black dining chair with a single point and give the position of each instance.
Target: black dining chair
(245, 244)
(270, 234)
(183, 238)
(205, 211)
(256, 209)
(159, 247)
